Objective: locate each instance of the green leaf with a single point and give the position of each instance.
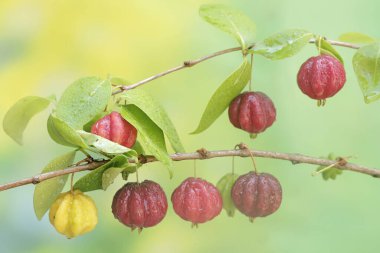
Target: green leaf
(356, 38)
(330, 173)
(151, 137)
(83, 100)
(104, 145)
(47, 191)
(138, 148)
(19, 115)
(231, 21)
(222, 97)
(109, 176)
(284, 44)
(366, 63)
(63, 134)
(224, 186)
(112, 173)
(94, 180)
(326, 48)
(156, 113)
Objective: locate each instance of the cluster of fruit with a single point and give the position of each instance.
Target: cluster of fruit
(140, 205)
(320, 77)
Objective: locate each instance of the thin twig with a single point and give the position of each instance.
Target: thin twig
(338, 43)
(190, 63)
(42, 177)
(185, 64)
(294, 158)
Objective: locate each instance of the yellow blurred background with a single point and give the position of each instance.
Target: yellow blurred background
(47, 44)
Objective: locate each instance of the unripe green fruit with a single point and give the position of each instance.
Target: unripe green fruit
(224, 186)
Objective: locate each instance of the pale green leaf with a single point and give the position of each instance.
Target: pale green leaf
(329, 173)
(284, 44)
(19, 115)
(231, 21)
(63, 134)
(156, 113)
(46, 192)
(94, 180)
(326, 48)
(103, 144)
(223, 96)
(83, 100)
(112, 173)
(137, 147)
(224, 186)
(356, 38)
(109, 176)
(366, 63)
(151, 137)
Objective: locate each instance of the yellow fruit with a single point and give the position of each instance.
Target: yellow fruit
(73, 214)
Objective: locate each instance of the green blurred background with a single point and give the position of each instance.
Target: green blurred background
(46, 45)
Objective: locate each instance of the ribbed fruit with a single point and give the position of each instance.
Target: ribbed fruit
(140, 205)
(197, 200)
(252, 111)
(257, 195)
(73, 214)
(115, 128)
(321, 77)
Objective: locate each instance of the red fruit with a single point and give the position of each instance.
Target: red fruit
(252, 111)
(321, 77)
(140, 205)
(115, 128)
(197, 200)
(257, 195)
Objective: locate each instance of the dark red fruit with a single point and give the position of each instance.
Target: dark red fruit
(115, 128)
(252, 111)
(140, 205)
(321, 77)
(257, 195)
(197, 200)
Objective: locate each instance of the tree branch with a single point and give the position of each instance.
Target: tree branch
(204, 154)
(294, 158)
(190, 63)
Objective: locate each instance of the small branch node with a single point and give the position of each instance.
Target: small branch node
(188, 63)
(203, 153)
(242, 146)
(36, 179)
(341, 161)
(294, 162)
(142, 159)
